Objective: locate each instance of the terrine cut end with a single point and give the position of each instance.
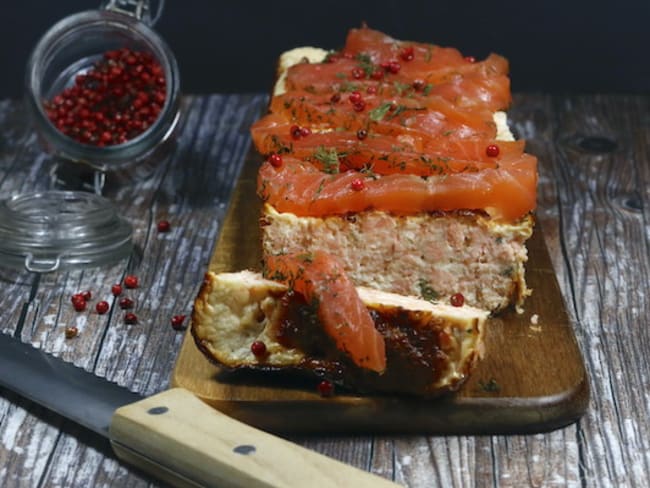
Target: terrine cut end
(435, 346)
(429, 255)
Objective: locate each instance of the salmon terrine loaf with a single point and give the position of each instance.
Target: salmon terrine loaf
(396, 207)
(397, 158)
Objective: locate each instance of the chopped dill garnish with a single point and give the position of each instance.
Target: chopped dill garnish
(380, 112)
(329, 158)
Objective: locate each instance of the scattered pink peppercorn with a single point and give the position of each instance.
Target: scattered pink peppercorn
(325, 388)
(357, 184)
(164, 226)
(391, 66)
(295, 132)
(492, 150)
(470, 59)
(71, 332)
(258, 348)
(126, 303)
(87, 295)
(275, 160)
(418, 84)
(362, 134)
(355, 97)
(457, 300)
(131, 281)
(407, 54)
(358, 73)
(178, 322)
(377, 74)
(102, 307)
(79, 305)
(130, 318)
(116, 290)
(336, 98)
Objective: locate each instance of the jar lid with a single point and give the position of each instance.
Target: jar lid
(53, 230)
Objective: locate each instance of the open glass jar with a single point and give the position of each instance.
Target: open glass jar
(72, 47)
(52, 230)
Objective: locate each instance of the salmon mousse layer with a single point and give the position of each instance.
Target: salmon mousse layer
(429, 255)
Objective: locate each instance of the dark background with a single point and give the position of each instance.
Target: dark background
(231, 46)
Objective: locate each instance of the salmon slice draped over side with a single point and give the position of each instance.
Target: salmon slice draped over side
(321, 280)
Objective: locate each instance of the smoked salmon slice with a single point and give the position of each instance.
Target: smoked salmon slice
(469, 89)
(382, 47)
(505, 193)
(321, 280)
(273, 134)
(337, 151)
(430, 116)
(398, 126)
(374, 61)
(417, 60)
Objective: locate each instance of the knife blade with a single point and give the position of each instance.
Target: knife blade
(172, 435)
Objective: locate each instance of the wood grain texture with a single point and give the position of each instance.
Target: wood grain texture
(593, 205)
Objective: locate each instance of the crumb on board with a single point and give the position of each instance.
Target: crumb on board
(534, 319)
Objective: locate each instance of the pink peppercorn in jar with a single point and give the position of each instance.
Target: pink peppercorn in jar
(103, 89)
(103, 92)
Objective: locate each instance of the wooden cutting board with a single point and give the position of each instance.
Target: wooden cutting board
(532, 378)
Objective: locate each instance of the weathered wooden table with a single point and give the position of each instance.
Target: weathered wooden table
(594, 194)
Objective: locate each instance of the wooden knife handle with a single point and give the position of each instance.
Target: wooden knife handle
(177, 438)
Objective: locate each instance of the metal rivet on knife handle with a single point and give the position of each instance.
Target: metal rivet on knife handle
(157, 410)
(244, 449)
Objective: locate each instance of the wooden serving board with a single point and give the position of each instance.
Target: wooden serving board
(532, 378)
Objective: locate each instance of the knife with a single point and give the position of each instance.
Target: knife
(172, 435)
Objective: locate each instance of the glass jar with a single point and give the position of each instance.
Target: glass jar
(70, 48)
(55, 230)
